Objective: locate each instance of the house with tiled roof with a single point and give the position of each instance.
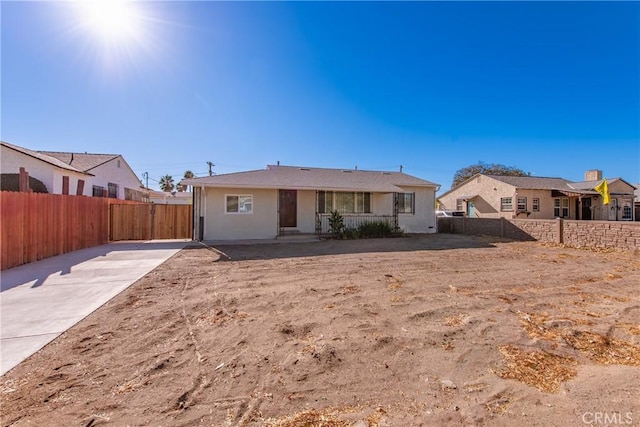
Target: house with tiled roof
(496, 196)
(98, 175)
(284, 200)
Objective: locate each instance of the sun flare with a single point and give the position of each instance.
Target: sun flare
(110, 20)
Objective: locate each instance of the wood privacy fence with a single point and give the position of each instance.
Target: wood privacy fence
(35, 226)
(149, 221)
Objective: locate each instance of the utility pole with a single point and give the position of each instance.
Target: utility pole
(210, 166)
(146, 177)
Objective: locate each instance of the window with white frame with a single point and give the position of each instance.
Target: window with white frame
(459, 205)
(506, 204)
(561, 207)
(522, 204)
(535, 204)
(239, 204)
(626, 213)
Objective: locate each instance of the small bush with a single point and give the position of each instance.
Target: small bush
(336, 224)
(374, 229)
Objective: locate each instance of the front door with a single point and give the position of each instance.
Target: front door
(288, 206)
(471, 209)
(586, 209)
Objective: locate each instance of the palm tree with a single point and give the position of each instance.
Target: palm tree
(166, 183)
(188, 175)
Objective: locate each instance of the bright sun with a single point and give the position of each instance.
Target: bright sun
(111, 21)
(115, 34)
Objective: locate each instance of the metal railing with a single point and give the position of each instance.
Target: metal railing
(352, 221)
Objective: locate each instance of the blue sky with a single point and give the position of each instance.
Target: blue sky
(549, 87)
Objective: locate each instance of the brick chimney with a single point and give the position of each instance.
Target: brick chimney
(593, 175)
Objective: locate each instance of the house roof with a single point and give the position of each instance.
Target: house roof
(43, 156)
(533, 182)
(82, 161)
(295, 177)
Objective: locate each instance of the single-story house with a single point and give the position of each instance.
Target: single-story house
(495, 196)
(170, 198)
(98, 175)
(280, 200)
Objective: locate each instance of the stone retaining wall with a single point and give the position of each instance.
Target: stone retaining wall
(592, 234)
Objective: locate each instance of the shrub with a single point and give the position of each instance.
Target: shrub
(375, 229)
(336, 224)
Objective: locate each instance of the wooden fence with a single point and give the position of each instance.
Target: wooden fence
(34, 226)
(150, 221)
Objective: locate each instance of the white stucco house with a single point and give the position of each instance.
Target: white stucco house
(86, 174)
(281, 200)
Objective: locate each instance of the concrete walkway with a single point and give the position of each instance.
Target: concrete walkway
(41, 300)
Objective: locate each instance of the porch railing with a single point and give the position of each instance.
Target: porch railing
(352, 221)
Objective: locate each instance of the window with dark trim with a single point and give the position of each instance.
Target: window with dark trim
(535, 204)
(98, 191)
(113, 190)
(407, 203)
(344, 202)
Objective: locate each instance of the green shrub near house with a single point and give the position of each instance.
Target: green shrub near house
(376, 229)
(366, 230)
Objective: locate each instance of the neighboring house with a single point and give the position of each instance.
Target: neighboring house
(494, 196)
(98, 175)
(49, 170)
(170, 198)
(280, 200)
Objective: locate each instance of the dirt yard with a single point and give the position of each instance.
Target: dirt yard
(433, 330)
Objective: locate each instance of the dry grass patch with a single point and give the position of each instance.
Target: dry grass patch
(630, 328)
(458, 320)
(534, 324)
(539, 369)
(604, 350)
(328, 417)
(306, 418)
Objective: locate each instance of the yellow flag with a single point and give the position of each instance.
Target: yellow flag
(603, 189)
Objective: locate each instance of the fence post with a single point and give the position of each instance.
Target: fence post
(560, 230)
(23, 182)
(65, 185)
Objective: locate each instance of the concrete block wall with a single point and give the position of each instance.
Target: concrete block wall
(580, 234)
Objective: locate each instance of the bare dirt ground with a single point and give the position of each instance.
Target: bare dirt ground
(433, 330)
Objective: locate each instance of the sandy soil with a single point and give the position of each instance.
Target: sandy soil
(433, 330)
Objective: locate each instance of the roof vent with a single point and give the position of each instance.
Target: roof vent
(346, 171)
(305, 169)
(386, 173)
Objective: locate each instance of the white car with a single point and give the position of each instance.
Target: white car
(449, 213)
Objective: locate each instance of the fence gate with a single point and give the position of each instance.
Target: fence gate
(150, 221)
